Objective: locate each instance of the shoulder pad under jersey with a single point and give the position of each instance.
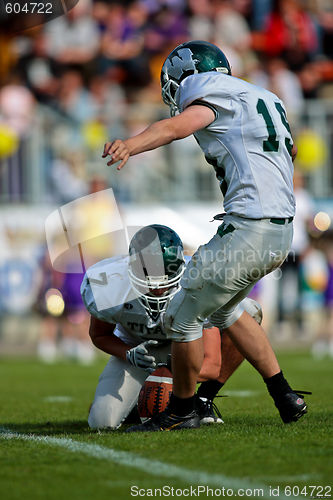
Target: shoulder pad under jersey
(106, 286)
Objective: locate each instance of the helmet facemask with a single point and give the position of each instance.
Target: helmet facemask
(169, 90)
(144, 288)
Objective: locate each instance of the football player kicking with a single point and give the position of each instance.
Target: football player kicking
(244, 133)
(127, 307)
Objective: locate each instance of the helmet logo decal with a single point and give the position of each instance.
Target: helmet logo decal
(179, 63)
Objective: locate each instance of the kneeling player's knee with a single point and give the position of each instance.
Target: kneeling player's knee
(102, 416)
(253, 308)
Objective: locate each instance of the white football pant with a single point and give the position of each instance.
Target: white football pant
(223, 272)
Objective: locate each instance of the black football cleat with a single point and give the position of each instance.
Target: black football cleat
(165, 421)
(208, 412)
(292, 406)
(133, 417)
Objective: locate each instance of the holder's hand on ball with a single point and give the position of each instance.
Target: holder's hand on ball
(140, 357)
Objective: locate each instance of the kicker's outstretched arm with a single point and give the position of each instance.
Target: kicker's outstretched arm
(158, 134)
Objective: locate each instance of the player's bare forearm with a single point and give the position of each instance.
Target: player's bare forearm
(158, 134)
(154, 136)
(101, 334)
(111, 345)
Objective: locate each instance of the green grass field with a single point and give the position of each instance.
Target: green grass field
(48, 451)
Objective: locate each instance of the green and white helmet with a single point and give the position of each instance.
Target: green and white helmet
(156, 261)
(186, 59)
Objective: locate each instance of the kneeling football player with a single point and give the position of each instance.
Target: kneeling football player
(127, 308)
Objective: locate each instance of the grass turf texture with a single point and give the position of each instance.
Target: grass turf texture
(253, 444)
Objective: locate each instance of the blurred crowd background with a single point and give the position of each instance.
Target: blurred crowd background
(71, 84)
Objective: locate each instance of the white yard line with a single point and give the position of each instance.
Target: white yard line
(58, 399)
(290, 479)
(147, 465)
(241, 394)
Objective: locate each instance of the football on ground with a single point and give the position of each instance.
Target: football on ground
(155, 393)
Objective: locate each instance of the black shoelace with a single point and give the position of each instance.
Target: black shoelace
(210, 403)
(301, 393)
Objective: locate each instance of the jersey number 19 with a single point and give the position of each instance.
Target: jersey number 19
(272, 144)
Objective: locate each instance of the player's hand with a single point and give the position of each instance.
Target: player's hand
(118, 151)
(140, 357)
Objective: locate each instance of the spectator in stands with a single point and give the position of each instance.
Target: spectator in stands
(325, 21)
(123, 43)
(284, 83)
(323, 343)
(17, 108)
(231, 28)
(291, 282)
(49, 328)
(109, 101)
(167, 27)
(75, 343)
(17, 105)
(63, 328)
(73, 97)
(38, 70)
(154, 6)
(74, 38)
(310, 80)
(201, 24)
(290, 33)
(68, 177)
(260, 11)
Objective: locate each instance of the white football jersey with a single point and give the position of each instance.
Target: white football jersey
(249, 144)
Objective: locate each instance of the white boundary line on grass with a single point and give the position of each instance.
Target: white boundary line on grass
(58, 399)
(149, 466)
